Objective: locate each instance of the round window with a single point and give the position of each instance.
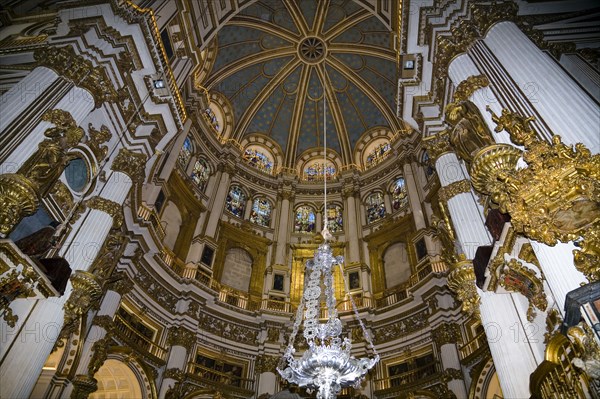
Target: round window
(77, 174)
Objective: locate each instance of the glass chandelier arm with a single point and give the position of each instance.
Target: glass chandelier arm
(355, 309)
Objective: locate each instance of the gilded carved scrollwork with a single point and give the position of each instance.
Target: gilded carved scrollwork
(20, 192)
(86, 293)
(79, 70)
(110, 207)
(131, 163)
(469, 132)
(438, 145)
(97, 139)
(519, 278)
(453, 189)
(461, 280)
(556, 198)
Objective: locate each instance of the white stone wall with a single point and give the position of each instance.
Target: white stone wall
(237, 269)
(396, 265)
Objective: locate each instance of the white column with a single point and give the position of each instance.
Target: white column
(77, 102)
(465, 211)
(218, 204)
(450, 360)
(282, 230)
(351, 232)
(248, 208)
(560, 272)
(509, 344)
(177, 360)
(461, 68)
(21, 96)
(30, 349)
(563, 105)
(267, 383)
(413, 197)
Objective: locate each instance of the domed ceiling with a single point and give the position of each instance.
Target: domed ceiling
(274, 58)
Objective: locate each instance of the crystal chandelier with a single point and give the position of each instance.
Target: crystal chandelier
(327, 365)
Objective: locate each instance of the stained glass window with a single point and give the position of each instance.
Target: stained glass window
(378, 154)
(375, 207)
(305, 220)
(399, 195)
(334, 218)
(186, 152)
(317, 172)
(200, 174)
(236, 201)
(261, 212)
(427, 164)
(259, 160)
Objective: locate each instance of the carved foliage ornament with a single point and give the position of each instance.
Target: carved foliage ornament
(461, 280)
(447, 333)
(453, 189)
(556, 198)
(110, 207)
(181, 337)
(438, 144)
(131, 163)
(79, 70)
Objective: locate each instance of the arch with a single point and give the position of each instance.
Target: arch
(220, 108)
(371, 144)
(267, 144)
(237, 269)
(485, 383)
(313, 158)
(116, 380)
(171, 221)
(396, 264)
(260, 158)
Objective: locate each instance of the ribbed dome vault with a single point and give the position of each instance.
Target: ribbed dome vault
(274, 58)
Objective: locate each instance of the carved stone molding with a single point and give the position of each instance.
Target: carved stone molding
(122, 285)
(131, 163)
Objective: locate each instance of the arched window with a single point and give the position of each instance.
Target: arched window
(261, 212)
(375, 207)
(427, 165)
(399, 195)
(236, 201)
(186, 152)
(305, 219)
(334, 218)
(259, 160)
(378, 154)
(200, 174)
(317, 171)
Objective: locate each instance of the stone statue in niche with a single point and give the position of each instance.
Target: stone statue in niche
(469, 132)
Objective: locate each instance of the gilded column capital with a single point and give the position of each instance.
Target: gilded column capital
(105, 322)
(83, 386)
(438, 144)
(470, 85)
(18, 199)
(110, 207)
(175, 374)
(79, 70)
(131, 163)
(453, 189)
(181, 336)
(446, 333)
(122, 285)
(266, 363)
(350, 191)
(86, 293)
(226, 167)
(450, 374)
